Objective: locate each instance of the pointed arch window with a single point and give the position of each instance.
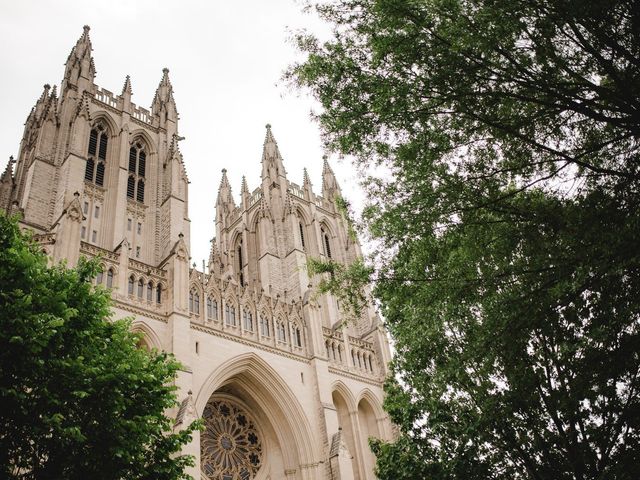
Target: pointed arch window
(158, 294)
(248, 320)
(194, 302)
(137, 172)
(140, 288)
(96, 155)
(325, 242)
(212, 309)
(240, 264)
(297, 336)
(264, 326)
(281, 332)
(110, 278)
(149, 292)
(130, 286)
(230, 315)
(301, 227)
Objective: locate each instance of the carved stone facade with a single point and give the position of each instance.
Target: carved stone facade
(287, 388)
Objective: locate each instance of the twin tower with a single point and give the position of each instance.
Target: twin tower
(99, 176)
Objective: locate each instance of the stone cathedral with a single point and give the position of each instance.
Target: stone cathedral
(287, 389)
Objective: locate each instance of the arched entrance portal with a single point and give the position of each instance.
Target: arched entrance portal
(255, 428)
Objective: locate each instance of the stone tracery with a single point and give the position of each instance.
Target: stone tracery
(231, 446)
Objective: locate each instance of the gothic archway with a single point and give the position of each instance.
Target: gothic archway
(248, 384)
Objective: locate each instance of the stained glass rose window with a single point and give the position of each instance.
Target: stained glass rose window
(230, 445)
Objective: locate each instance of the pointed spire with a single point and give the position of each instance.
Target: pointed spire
(224, 192)
(7, 175)
(126, 88)
(164, 105)
(45, 92)
(244, 193)
(52, 104)
(307, 187)
(42, 101)
(80, 70)
(330, 187)
(272, 166)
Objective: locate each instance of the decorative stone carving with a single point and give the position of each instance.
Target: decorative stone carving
(230, 446)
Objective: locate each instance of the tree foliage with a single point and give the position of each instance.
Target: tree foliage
(79, 398)
(509, 269)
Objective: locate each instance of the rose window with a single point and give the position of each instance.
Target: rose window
(230, 445)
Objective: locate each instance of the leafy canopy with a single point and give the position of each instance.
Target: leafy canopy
(79, 398)
(508, 269)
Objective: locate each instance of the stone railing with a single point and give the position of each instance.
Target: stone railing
(296, 190)
(146, 269)
(141, 114)
(106, 97)
(255, 197)
(353, 356)
(95, 251)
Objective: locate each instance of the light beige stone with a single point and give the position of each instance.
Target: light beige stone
(99, 176)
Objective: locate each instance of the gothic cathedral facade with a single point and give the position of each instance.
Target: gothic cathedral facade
(287, 389)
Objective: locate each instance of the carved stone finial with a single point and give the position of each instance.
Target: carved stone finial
(86, 28)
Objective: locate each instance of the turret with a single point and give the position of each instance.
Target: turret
(330, 187)
(307, 187)
(224, 202)
(244, 193)
(164, 107)
(80, 71)
(126, 94)
(272, 168)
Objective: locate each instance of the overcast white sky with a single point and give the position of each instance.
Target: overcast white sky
(225, 58)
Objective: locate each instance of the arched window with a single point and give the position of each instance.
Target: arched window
(264, 326)
(240, 264)
(301, 227)
(281, 332)
(158, 294)
(297, 336)
(325, 242)
(96, 155)
(140, 288)
(99, 278)
(110, 278)
(130, 287)
(194, 301)
(212, 309)
(149, 292)
(137, 171)
(247, 320)
(230, 314)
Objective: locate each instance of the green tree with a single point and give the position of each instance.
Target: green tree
(78, 399)
(508, 267)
